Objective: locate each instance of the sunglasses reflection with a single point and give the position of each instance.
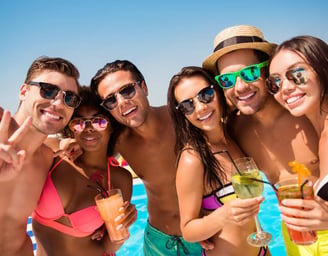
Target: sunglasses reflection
(248, 74)
(299, 76)
(77, 125)
(50, 91)
(206, 95)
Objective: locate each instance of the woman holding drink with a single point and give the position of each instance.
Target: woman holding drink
(66, 220)
(208, 206)
(299, 82)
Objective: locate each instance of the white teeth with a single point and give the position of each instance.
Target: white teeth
(205, 117)
(52, 116)
(129, 111)
(89, 139)
(293, 99)
(246, 96)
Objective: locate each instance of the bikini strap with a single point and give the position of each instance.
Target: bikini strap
(54, 166)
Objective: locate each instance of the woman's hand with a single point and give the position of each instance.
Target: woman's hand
(69, 148)
(128, 215)
(241, 211)
(305, 214)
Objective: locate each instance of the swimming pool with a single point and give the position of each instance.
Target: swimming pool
(269, 217)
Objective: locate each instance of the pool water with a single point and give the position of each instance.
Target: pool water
(269, 217)
(270, 220)
(134, 245)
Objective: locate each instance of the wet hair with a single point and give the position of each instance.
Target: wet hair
(60, 65)
(90, 100)
(188, 134)
(314, 51)
(112, 67)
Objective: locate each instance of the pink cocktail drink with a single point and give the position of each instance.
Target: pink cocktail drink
(109, 211)
(290, 189)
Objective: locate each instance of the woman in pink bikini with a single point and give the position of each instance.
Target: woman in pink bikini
(66, 220)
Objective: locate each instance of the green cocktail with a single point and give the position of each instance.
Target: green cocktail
(247, 185)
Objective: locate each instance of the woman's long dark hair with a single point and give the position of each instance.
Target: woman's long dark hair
(188, 134)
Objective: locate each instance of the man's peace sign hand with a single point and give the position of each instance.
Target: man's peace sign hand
(11, 157)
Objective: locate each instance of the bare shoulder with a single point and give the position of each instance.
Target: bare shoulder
(189, 164)
(44, 157)
(189, 156)
(122, 179)
(121, 173)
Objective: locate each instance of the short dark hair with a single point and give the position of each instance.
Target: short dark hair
(112, 67)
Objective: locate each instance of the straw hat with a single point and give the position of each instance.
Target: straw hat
(235, 38)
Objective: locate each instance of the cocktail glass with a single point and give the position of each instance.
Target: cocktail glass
(246, 181)
(109, 211)
(290, 188)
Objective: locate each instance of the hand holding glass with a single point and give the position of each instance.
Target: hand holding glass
(246, 181)
(290, 188)
(109, 210)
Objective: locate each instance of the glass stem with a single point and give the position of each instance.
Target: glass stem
(258, 225)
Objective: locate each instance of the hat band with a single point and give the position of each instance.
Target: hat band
(237, 40)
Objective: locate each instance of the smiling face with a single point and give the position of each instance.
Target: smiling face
(131, 112)
(90, 138)
(302, 99)
(206, 116)
(49, 115)
(247, 97)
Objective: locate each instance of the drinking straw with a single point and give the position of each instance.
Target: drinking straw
(302, 187)
(230, 157)
(301, 171)
(102, 189)
(233, 162)
(96, 188)
(266, 182)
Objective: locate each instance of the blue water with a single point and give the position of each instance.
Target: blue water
(270, 220)
(269, 217)
(133, 246)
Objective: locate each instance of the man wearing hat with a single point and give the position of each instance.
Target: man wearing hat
(261, 127)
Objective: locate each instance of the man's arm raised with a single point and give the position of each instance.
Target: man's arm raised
(11, 157)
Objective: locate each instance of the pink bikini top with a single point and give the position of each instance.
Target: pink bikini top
(50, 208)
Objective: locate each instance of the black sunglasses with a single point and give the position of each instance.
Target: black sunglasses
(128, 91)
(50, 91)
(205, 95)
(297, 75)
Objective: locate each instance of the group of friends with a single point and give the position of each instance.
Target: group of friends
(249, 98)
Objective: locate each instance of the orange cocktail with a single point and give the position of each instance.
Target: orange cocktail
(109, 211)
(291, 189)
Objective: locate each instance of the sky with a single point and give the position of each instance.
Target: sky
(159, 37)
